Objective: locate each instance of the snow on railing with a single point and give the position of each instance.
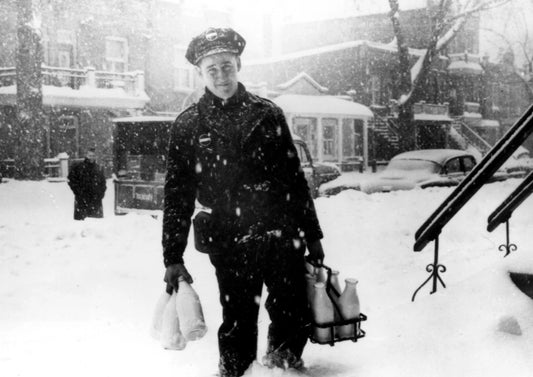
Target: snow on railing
(59, 76)
(78, 77)
(7, 76)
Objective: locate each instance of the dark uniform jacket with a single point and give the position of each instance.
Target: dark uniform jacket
(239, 160)
(87, 182)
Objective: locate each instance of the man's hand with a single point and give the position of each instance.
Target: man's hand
(172, 275)
(316, 253)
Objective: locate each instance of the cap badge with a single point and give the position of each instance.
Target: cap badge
(211, 35)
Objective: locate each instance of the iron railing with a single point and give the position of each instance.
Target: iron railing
(482, 172)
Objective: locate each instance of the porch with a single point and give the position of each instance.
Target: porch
(335, 129)
(86, 87)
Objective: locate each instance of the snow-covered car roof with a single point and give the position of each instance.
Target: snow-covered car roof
(435, 155)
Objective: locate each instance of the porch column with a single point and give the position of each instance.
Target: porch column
(320, 139)
(339, 140)
(90, 77)
(365, 143)
(139, 82)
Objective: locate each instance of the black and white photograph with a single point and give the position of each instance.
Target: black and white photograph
(282, 188)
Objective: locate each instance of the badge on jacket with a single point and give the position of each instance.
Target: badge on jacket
(204, 140)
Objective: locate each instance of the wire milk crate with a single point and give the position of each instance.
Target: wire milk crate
(340, 328)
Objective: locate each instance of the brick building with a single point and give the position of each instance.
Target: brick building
(101, 59)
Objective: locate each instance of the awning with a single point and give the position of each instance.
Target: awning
(490, 123)
(462, 68)
(322, 105)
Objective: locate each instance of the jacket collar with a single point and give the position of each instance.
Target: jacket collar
(210, 103)
(211, 99)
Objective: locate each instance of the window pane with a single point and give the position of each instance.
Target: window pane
(453, 166)
(306, 128)
(115, 49)
(329, 138)
(469, 163)
(348, 138)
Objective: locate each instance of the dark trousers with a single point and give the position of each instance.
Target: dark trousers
(279, 263)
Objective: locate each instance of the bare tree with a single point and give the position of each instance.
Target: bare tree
(448, 18)
(29, 149)
(520, 43)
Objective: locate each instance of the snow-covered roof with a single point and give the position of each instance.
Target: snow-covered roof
(145, 119)
(471, 115)
(323, 105)
(433, 117)
(390, 47)
(302, 76)
(310, 52)
(83, 97)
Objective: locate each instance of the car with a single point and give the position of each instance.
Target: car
(424, 168)
(316, 173)
(519, 164)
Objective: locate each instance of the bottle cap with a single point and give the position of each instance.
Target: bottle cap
(351, 281)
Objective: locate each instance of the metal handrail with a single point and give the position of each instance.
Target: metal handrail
(472, 136)
(506, 208)
(478, 176)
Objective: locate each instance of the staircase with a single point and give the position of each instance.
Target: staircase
(386, 140)
(465, 137)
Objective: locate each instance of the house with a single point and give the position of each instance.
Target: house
(357, 57)
(335, 129)
(100, 60)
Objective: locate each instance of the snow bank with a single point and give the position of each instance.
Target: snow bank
(77, 297)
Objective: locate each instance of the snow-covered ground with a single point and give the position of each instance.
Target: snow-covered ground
(76, 298)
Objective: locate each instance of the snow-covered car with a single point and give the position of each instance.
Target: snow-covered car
(316, 173)
(424, 168)
(519, 164)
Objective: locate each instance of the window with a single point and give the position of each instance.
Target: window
(306, 128)
(453, 166)
(329, 138)
(116, 54)
(63, 59)
(468, 163)
(46, 49)
(302, 155)
(375, 89)
(64, 136)
(65, 37)
(184, 75)
(352, 138)
(348, 138)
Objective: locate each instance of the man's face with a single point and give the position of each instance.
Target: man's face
(219, 72)
(91, 156)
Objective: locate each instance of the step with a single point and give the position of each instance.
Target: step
(524, 282)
